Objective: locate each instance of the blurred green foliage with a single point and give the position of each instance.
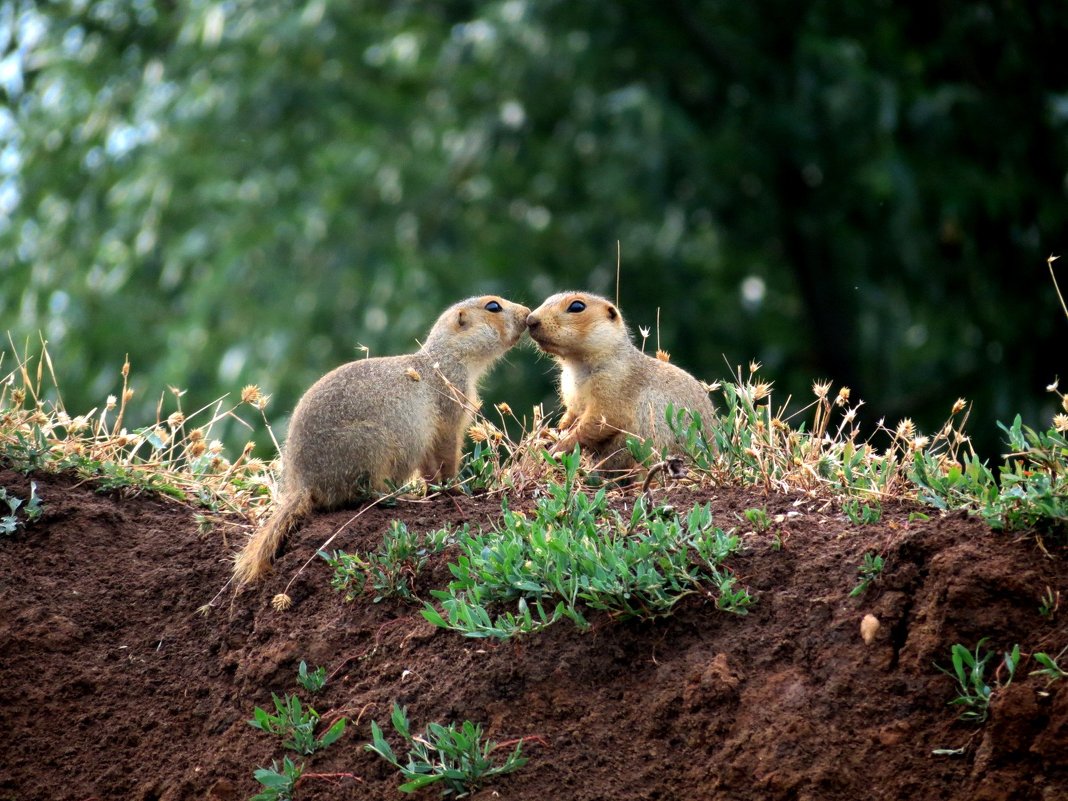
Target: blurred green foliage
(240, 192)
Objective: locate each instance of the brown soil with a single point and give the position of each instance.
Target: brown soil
(112, 685)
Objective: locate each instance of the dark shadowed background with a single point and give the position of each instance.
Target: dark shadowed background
(244, 192)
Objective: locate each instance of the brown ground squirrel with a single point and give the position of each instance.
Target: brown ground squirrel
(608, 386)
(379, 420)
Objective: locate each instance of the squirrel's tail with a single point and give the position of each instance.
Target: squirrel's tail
(255, 559)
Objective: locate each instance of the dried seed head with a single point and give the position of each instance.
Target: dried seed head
(919, 443)
(504, 408)
(843, 396)
(413, 374)
(126, 368)
(127, 394)
(247, 449)
(477, 432)
(250, 394)
(1060, 422)
(821, 390)
(1053, 387)
(18, 396)
(663, 355)
(175, 420)
(197, 447)
(906, 429)
(761, 390)
(1064, 402)
(281, 602)
(958, 407)
(111, 402)
(754, 366)
(196, 435)
(162, 433)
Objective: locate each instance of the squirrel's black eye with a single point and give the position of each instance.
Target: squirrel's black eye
(576, 306)
(493, 306)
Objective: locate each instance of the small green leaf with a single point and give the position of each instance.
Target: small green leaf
(420, 782)
(431, 614)
(333, 733)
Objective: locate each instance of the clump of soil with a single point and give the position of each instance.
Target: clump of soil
(113, 685)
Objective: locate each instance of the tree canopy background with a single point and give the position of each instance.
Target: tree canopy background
(243, 192)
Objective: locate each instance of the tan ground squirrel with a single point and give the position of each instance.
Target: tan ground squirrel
(380, 420)
(608, 386)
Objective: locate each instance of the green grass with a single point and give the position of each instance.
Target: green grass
(869, 571)
(974, 688)
(295, 724)
(1050, 670)
(30, 509)
(176, 455)
(454, 756)
(311, 680)
(278, 781)
(391, 570)
(575, 553)
(751, 441)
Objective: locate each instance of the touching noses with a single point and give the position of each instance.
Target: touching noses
(532, 322)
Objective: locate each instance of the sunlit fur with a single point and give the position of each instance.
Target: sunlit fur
(377, 421)
(610, 388)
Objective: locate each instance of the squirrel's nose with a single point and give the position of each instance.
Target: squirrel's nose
(532, 321)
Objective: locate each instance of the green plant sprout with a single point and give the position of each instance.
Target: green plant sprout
(392, 570)
(295, 724)
(32, 510)
(736, 600)
(974, 690)
(1050, 603)
(573, 554)
(279, 781)
(312, 681)
(456, 756)
(869, 570)
(1050, 670)
(758, 519)
(862, 514)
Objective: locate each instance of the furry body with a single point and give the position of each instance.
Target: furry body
(374, 422)
(610, 388)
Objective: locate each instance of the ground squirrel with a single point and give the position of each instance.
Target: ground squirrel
(379, 420)
(608, 386)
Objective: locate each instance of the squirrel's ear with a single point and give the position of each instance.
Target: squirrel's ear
(612, 313)
(461, 318)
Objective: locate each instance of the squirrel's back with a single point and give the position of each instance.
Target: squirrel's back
(377, 421)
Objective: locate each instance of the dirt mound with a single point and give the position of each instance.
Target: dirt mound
(112, 685)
